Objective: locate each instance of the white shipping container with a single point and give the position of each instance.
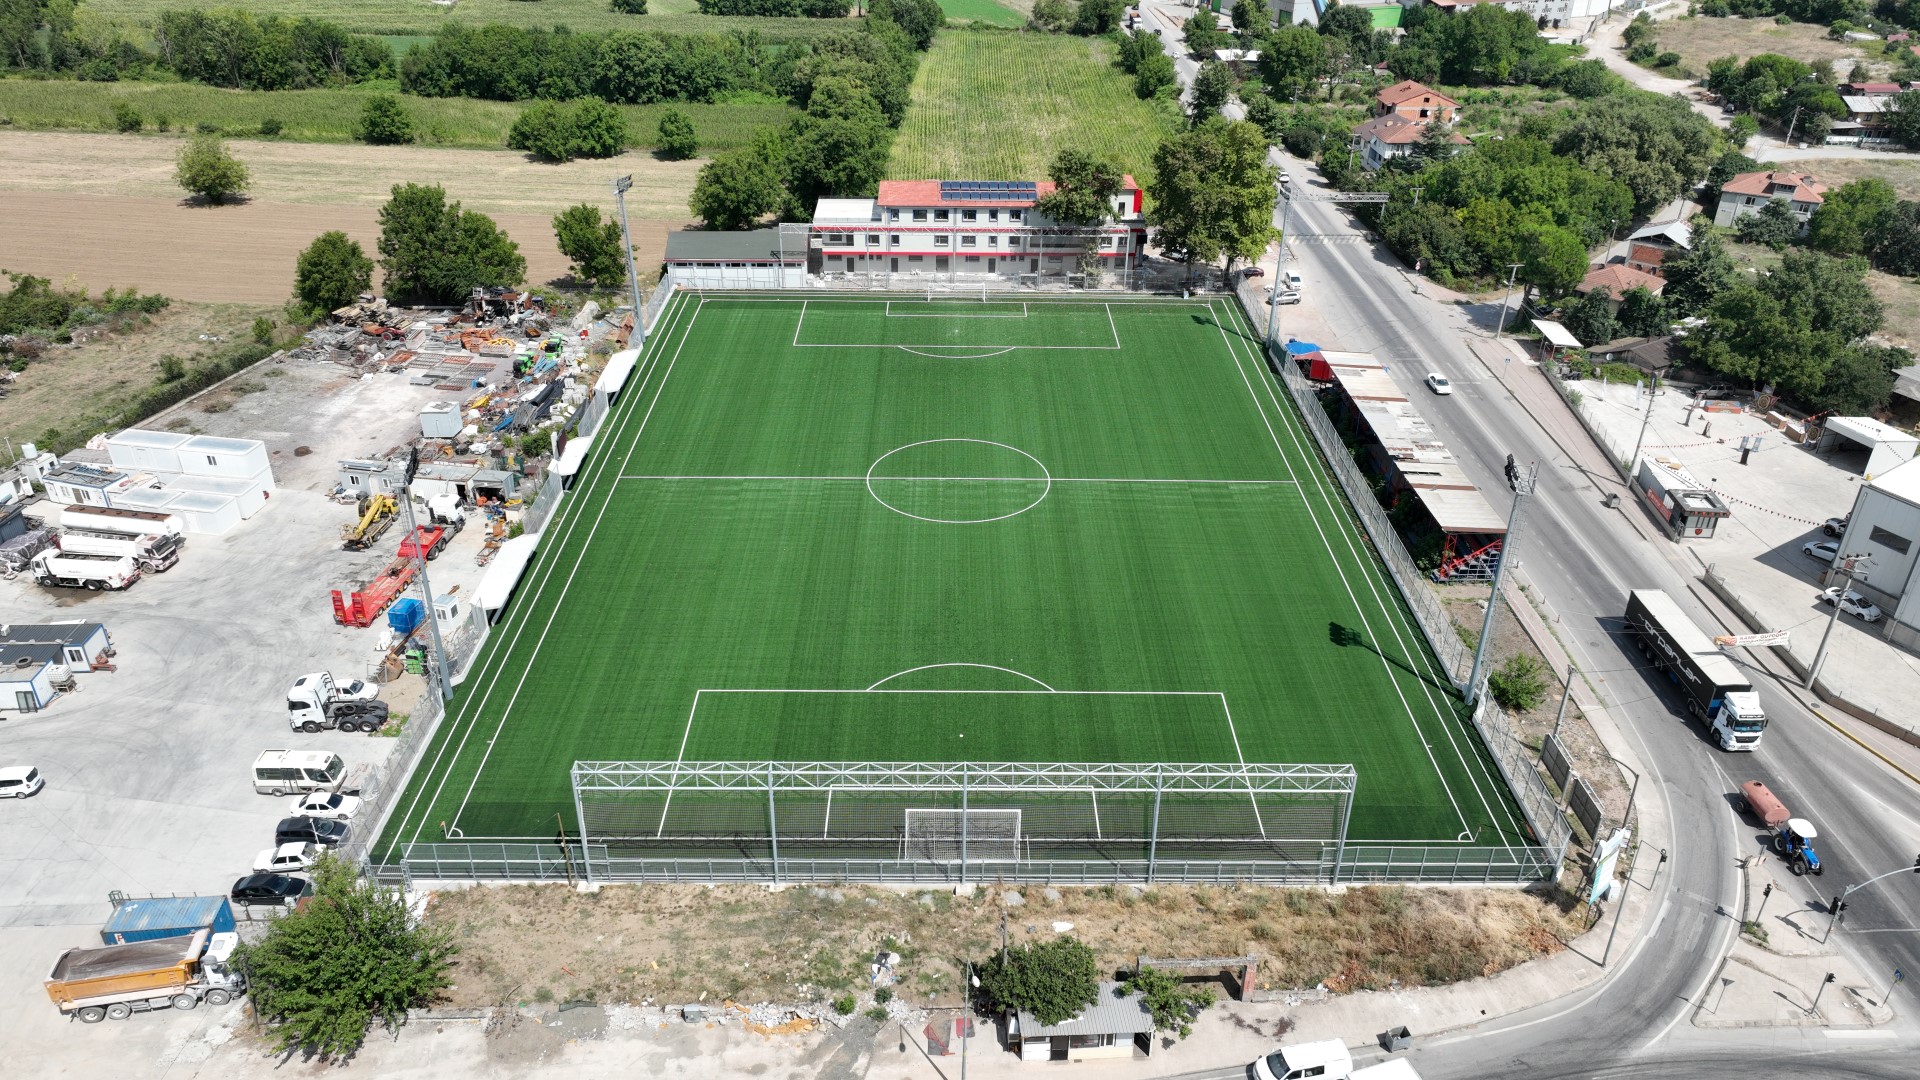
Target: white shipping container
(208, 455)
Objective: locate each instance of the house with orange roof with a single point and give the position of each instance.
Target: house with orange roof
(1384, 138)
(1748, 192)
(1419, 102)
(1619, 279)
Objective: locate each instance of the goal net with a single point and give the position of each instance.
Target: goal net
(950, 836)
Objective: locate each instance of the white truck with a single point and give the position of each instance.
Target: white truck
(117, 520)
(117, 981)
(93, 572)
(318, 702)
(154, 553)
(1329, 1060)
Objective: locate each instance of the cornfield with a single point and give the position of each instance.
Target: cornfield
(999, 106)
(409, 17)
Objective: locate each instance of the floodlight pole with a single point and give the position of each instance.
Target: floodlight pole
(1849, 563)
(1279, 260)
(440, 682)
(1522, 487)
(620, 186)
(1506, 298)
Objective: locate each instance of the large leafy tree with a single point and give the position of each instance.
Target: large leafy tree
(1054, 980)
(205, 169)
(1792, 328)
(1172, 1004)
(1213, 193)
(331, 272)
(1642, 314)
(1251, 17)
(1212, 87)
(1852, 217)
(384, 122)
(352, 957)
(1152, 74)
(1659, 147)
(737, 189)
(1774, 225)
(1898, 249)
(1291, 60)
(592, 245)
(1696, 277)
(919, 18)
(1083, 188)
(1590, 318)
(1203, 35)
(1904, 123)
(431, 249)
(1553, 259)
(1726, 167)
(1349, 31)
(677, 138)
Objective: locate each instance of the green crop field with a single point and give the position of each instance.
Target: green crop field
(913, 530)
(982, 11)
(415, 17)
(330, 115)
(994, 106)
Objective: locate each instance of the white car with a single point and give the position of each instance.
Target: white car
(1438, 383)
(1328, 1060)
(286, 859)
(20, 781)
(1283, 296)
(1824, 550)
(328, 804)
(1852, 603)
(355, 689)
(1285, 179)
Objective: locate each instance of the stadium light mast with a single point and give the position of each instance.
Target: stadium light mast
(1522, 488)
(621, 184)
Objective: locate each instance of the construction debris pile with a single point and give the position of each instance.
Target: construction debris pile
(434, 346)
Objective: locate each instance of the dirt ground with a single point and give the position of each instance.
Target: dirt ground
(1902, 173)
(683, 943)
(72, 381)
(104, 209)
(1701, 40)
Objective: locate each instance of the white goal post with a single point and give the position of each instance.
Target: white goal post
(956, 836)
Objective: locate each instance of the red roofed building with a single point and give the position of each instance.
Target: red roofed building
(1618, 279)
(1384, 138)
(1410, 100)
(1748, 192)
(971, 227)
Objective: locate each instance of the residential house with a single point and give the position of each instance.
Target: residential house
(1651, 355)
(1410, 100)
(970, 227)
(1384, 138)
(1748, 192)
(1650, 245)
(1869, 104)
(1618, 279)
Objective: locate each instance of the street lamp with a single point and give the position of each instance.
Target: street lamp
(1513, 271)
(1646, 418)
(1851, 565)
(1840, 902)
(621, 185)
(1279, 274)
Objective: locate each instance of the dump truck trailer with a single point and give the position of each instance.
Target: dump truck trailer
(53, 568)
(1715, 688)
(116, 981)
(117, 520)
(154, 553)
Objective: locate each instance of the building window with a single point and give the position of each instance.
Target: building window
(894, 240)
(973, 258)
(969, 241)
(1013, 215)
(1106, 243)
(919, 215)
(914, 258)
(1884, 538)
(969, 215)
(993, 214)
(873, 239)
(839, 238)
(940, 215)
(941, 240)
(893, 215)
(993, 241)
(1053, 258)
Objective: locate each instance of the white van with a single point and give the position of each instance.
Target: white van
(296, 772)
(1308, 1061)
(1290, 279)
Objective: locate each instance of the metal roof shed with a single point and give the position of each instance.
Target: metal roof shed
(210, 455)
(206, 512)
(1112, 1027)
(1885, 446)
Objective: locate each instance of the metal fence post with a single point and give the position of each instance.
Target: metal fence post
(1153, 841)
(963, 823)
(773, 825)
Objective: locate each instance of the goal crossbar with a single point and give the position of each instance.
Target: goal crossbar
(609, 776)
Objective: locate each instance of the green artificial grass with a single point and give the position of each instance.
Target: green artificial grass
(992, 499)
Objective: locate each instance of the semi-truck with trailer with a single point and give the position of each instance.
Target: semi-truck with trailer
(116, 981)
(119, 520)
(54, 568)
(154, 553)
(1715, 688)
(315, 702)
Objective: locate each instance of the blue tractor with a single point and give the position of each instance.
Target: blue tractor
(1794, 842)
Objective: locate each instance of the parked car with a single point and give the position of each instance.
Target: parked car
(270, 889)
(296, 830)
(286, 858)
(329, 804)
(20, 781)
(1836, 526)
(1438, 383)
(1852, 603)
(1254, 271)
(1287, 296)
(1825, 550)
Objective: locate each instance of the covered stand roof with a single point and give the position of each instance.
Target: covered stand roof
(1423, 461)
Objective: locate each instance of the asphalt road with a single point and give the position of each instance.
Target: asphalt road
(1583, 559)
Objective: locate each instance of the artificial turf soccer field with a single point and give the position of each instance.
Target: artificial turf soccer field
(806, 523)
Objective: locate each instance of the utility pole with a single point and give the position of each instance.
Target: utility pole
(1850, 565)
(1522, 487)
(1279, 275)
(1646, 418)
(440, 681)
(620, 186)
(1513, 271)
(1566, 695)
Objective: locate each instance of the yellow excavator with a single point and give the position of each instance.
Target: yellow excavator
(376, 515)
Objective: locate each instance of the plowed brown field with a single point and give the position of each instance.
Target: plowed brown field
(102, 209)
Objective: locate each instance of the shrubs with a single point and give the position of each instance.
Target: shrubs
(206, 170)
(384, 122)
(554, 132)
(126, 119)
(1519, 684)
(628, 7)
(677, 139)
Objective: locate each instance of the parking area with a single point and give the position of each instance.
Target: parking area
(1779, 499)
(148, 767)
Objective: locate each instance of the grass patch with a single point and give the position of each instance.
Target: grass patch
(982, 11)
(992, 106)
(330, 115)
(1701, 39)
(410, 18)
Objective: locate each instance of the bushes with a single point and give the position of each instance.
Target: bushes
(1519, 684)
(813, 9)
(677, 139)
(507, 63)
(126, 119)
(628, 7)
(235, 49)
(551, 132)
(384, 122)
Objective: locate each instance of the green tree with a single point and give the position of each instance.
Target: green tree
(384, 122)
(126, 118)
(1250, 16)
(1851, 218)
(837, 155)
(1696, 277)
(1520, 684)
(1098, 16)
(737, 189)
(1172, 1004)
(1212, 88)
(352, 957)
(543, 129)
(1348, 30)
(677, 139)
(1775, 225)
(1154, 73)
(1740, 129)
(1213, 193)
(1203, 35)
(1637, 31)
(1860, 380)
(597, 129)
(1726, 167)
(1590, 318)
(205, 169)
(1642, 314)
(1657, 146)
(331, 272)
(1083, 189)
(918, 18)
(1904, 122)
(1052, 16)
(1553, 259)
(431, 249)
(591, 245)
(1291, 59)
(628, 7)
(1588, 79)
(1898, 249)
(1053, 980)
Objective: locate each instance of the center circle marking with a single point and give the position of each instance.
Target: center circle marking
(1045, 476)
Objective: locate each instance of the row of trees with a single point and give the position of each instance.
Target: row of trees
(511, 63)
(239, 50)
(811, 9)
(852, 88)
(431, 250)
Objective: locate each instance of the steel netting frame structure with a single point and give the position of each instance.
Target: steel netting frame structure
(780, 821)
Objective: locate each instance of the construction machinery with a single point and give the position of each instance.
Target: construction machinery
(360, 606)
(376, 516)
(114, 982)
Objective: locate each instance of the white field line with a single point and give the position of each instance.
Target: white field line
(983, 479)
(1402, 634)
(1252, 799)
(579, 559)
(891, 314)
(1314, 516)
(677, 759)
(473, 705)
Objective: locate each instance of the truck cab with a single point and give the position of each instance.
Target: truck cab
(316, 702)
(1739, 721)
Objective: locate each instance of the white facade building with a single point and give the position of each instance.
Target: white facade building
(1885, 527)
(955, 229)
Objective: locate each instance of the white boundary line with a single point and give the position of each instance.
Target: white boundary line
(956, 663)
(473, 706)
(986, 479)
(951, 315)
(1469, 762)
(801, 323)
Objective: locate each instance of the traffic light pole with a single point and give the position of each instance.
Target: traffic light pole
(1840, 902)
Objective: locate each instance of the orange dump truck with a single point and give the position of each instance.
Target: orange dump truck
(168, 973)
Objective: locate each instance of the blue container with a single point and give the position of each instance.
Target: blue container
(406, 615)
(166, 917)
